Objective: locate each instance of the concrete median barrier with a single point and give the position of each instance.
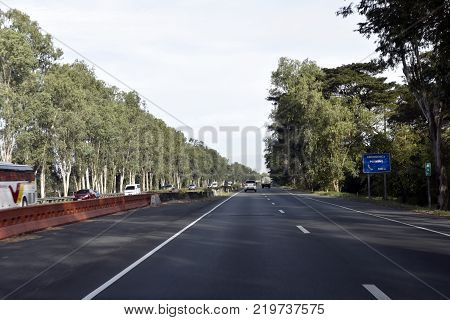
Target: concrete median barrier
(192, 195)
(155, 200)
(17, 221)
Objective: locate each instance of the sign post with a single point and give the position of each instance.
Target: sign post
(428, 175)
(377, 163)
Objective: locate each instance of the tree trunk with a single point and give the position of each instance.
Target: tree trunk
(105, 176)
(114, 180)
(336, 185)
(66, 179)
(143, 181)
(440, 171)
(95, 178)
(88, 185)
(122, 178)
(7, 144)
(42, 181)
(177, 179)
(100, 183)
(433, 113)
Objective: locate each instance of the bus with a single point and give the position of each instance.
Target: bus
(17, 185)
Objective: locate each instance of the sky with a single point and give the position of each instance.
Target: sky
(206, 64)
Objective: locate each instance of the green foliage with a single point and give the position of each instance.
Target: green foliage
(314, 141)
(325, 119)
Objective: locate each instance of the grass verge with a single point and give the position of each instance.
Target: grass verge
(390, 202)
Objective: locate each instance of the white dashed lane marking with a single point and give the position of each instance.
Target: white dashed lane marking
(377, 293)
(303, 229)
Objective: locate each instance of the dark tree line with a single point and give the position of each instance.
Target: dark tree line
(325, 119)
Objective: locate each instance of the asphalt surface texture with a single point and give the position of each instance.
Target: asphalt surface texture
(269, 244)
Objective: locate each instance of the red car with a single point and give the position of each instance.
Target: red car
(85, 194)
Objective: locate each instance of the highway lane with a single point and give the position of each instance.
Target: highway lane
(410, 263)
(248, 249)
(67, 262)
(244, 250)
(265, 245)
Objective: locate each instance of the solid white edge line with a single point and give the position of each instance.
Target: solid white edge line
(377, 293)
(108, 283)
(302, 229)
(281, 211)
(377, 216)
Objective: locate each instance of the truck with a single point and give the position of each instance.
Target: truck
(266, 182)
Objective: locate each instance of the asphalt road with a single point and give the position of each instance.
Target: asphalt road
(266, 245)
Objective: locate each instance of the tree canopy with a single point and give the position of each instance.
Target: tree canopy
(416, 35)
(325, 119)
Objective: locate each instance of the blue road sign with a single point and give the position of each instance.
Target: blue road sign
(376, 162)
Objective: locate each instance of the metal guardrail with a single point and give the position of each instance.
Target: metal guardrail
(48, 200)
(72, 198)
(54, 199)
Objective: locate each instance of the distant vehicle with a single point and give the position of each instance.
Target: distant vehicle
(214, 185)
(250, 185)
(132, 189)
(229, 183)
(266, 182)
(192, 186)
(85, 194)
(17, 185)
(169, 187)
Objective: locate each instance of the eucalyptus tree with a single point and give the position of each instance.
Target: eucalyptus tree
(25, 55)
(68, 97)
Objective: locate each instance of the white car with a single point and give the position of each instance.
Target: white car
(192, 187)
(169, 188)
(214, 185)
(250, 185)
(132, 189)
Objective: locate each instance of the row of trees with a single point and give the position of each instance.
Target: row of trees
(78, 132)
(325, 119)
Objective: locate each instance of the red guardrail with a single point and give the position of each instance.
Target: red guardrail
(16, 221)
